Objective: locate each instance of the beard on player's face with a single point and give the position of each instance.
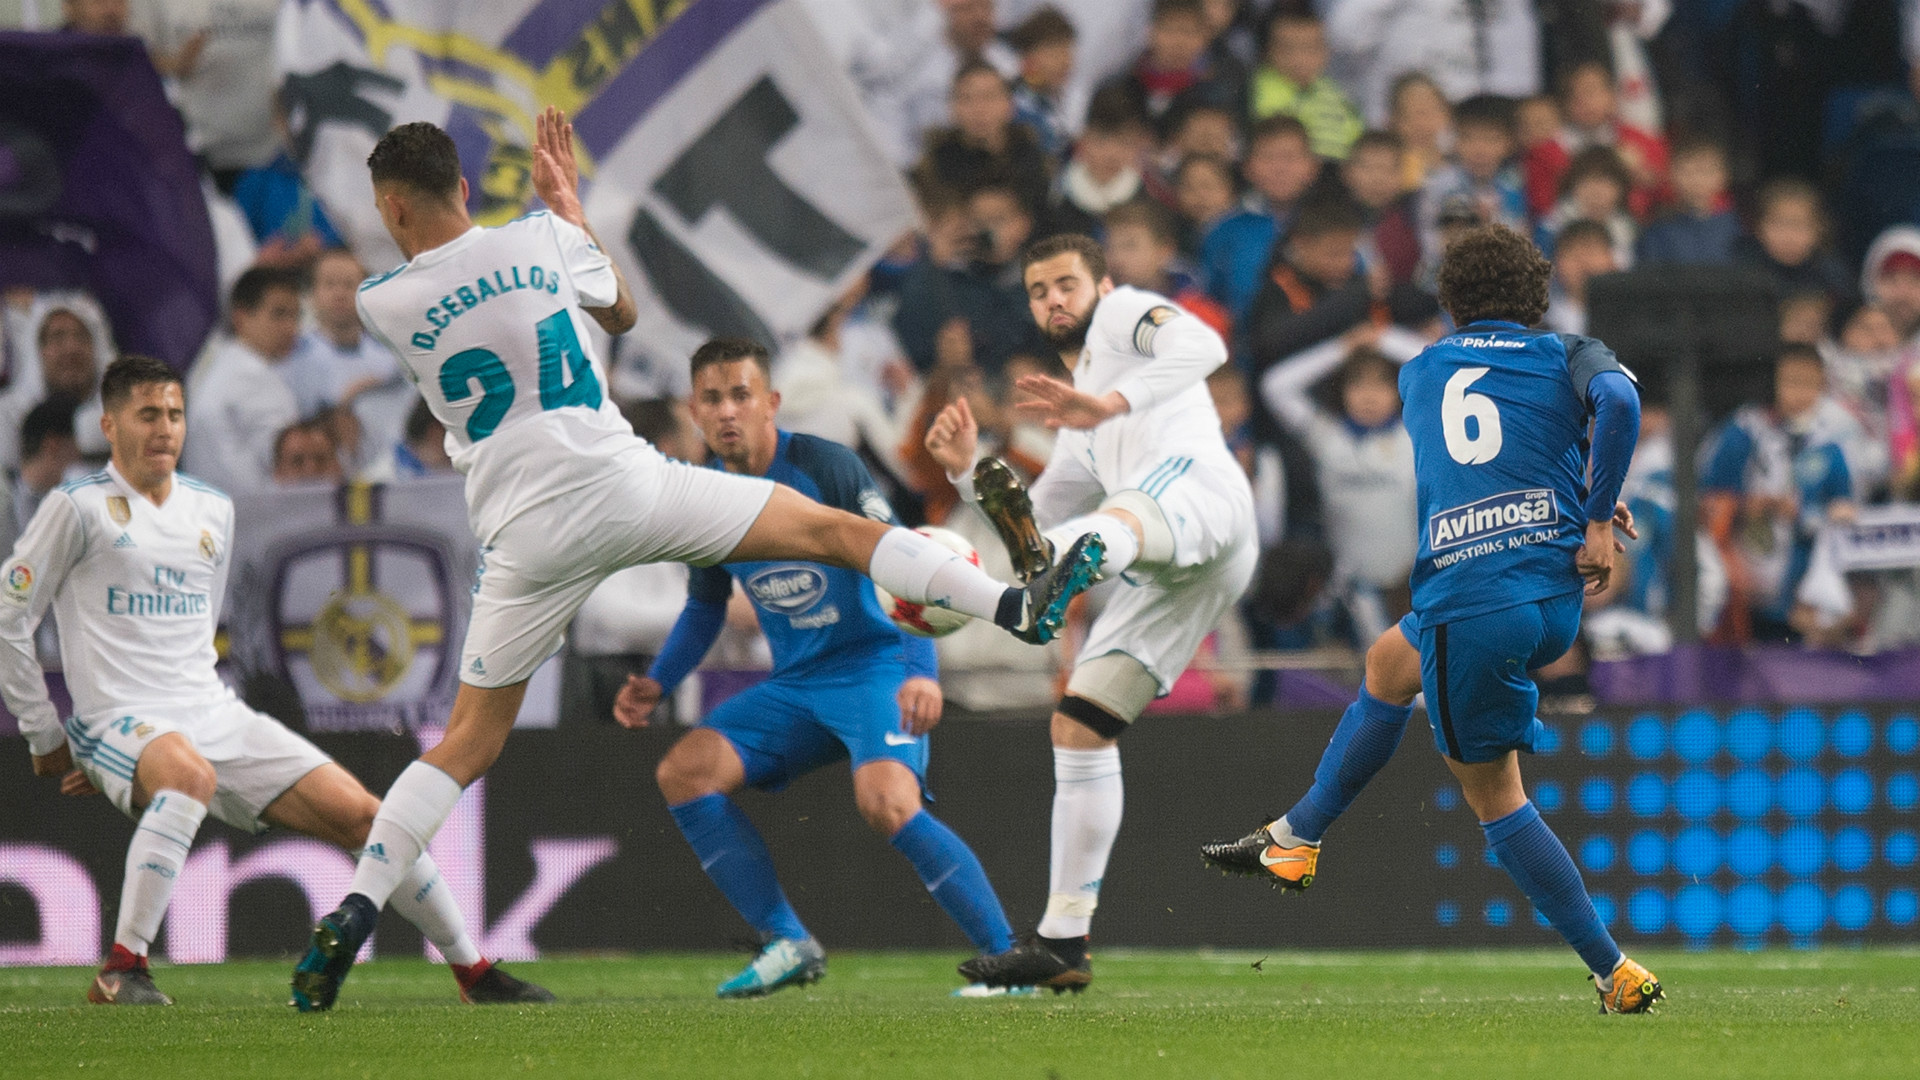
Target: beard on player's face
(1069, 336)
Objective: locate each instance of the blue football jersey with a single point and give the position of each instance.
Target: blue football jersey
(1498, 415)
(818, 618)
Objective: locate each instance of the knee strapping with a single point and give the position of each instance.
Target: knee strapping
(1156, 536)
(1113, 689)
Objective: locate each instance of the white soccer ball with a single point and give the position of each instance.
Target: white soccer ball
(925, 620)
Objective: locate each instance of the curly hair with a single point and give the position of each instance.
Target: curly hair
(1493, 272)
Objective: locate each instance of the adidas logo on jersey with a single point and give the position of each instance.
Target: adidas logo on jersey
(477, 667)
(125, 541)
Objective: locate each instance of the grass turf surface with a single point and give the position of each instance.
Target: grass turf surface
(1832, 1013)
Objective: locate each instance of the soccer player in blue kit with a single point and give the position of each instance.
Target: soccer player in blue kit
(1516, 512)
(846, 683)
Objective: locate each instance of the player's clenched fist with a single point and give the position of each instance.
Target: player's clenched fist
(633, 706)
(954, 438)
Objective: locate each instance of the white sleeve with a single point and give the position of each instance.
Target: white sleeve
(1284, 386)
(53, 542)
(220, 570)
(256, 423)
(1181, 351)
(1065, 489)
(588, 266)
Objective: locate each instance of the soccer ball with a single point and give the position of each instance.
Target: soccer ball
(924, 620)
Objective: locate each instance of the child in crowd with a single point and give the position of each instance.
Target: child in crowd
(1045, 43)
(1775, 476)
(1205, 188)
(1174, 72)
(1372, 176)
(1702, 228)
(1280, 168)
(1483, 141)
(1788, 243)
(1596, 186)
(1105, 170)
(1536, 121)
(1420, 115)
(1585, 251)
(1591, 106)
(1804, 317)
(1203, 129)
(984, 145)
(1293, 80)
(1143, 251)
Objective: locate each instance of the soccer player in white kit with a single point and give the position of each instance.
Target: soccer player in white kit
(1141, 462)
(133, 560)
(561, 493)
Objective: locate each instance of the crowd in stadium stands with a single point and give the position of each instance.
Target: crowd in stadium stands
(1287, 170)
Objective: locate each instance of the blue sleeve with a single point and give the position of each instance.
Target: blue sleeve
(1616, 429)
(696, 630)
(923, 661)
(845, 483)
(1727, 469)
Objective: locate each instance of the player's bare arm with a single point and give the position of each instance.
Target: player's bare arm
(556, 179)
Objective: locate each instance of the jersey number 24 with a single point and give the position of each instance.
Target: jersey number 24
(566, 377)
(1457, 407)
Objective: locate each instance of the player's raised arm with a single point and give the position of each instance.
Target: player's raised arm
(53, 542)
(556, 179)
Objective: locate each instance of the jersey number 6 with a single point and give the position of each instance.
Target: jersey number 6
(1457, 407)
(566, 376)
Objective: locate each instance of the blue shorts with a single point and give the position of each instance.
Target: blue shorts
(785, 728)
(1480, 699)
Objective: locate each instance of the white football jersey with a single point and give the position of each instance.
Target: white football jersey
(136, 589)
(489, 326)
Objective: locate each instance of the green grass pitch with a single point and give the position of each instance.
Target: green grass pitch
(1830, 1013)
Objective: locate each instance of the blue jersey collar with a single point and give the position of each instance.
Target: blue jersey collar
(1499, 324)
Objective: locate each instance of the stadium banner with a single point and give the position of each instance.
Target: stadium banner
(732, 170)
(1747, 826)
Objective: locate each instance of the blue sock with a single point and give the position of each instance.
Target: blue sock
(1365, 740)
(735, 857)
(1540, 865)
(953, 874)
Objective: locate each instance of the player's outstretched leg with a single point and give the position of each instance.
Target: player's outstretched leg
(1286, 851)
(182, 783)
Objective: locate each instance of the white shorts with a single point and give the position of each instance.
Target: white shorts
(1160, 615)
(647, 508)
(255, 758)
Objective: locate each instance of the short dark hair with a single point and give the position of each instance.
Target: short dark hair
(1086, 247)
(1327, 212)
(51, 419)
(1790, 189)
(1046, 26)
(1376, 139)
(1164, 8)
(1698, 145)
(1598, 161)
(1798, 353)
(1147, 214)
(1277, 126)
(1363, 362)
(1114, 110)
(1493, 272)
(1485, 111)
(976, 67)
(419, 155)
(1583, 231)
(727, 350)
(252, 287)
(130, 372)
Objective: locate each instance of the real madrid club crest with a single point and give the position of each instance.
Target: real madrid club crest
(119, 510)
(207, 547)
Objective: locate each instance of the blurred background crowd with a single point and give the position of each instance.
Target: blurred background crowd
(1287, 170)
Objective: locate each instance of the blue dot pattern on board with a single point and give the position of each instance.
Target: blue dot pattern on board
(1903, 734)
(1801, 792)
(1498, 913)
(1647, 853)
(1447, 798)
(1852, 907)
(1597, 853)
(1446, 856)
(1606, 909)
(1647, 795)
(1549, 796)
(1749, 793)
(1852, 850)
(1647, 910)
(1696, 794)
(1597, 795)
(1596, 739)
(1446, 913)
(1800, 734)
(1852, 791)
(1697, 852)
(1696, 737)
(1697, 910)
(1647, 737)
(1490, 856)
(1902, 791)
(1852, 734)
(1749, 851)
(1900, 849)
(1547, 741)
(1803, 909)
(1749, 909)
(1900, 907)
(1802, 850)
(1540, 918)
(1749, 735)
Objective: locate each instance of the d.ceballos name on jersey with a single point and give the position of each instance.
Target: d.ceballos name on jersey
(167, 598)
(484, 288)
(1470, 530)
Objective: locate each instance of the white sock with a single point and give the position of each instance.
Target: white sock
(1123, 547)
(1087, 800)
(424, 900)
(923, 571)
(154, 857)
(1284, 836)
(415, 806)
